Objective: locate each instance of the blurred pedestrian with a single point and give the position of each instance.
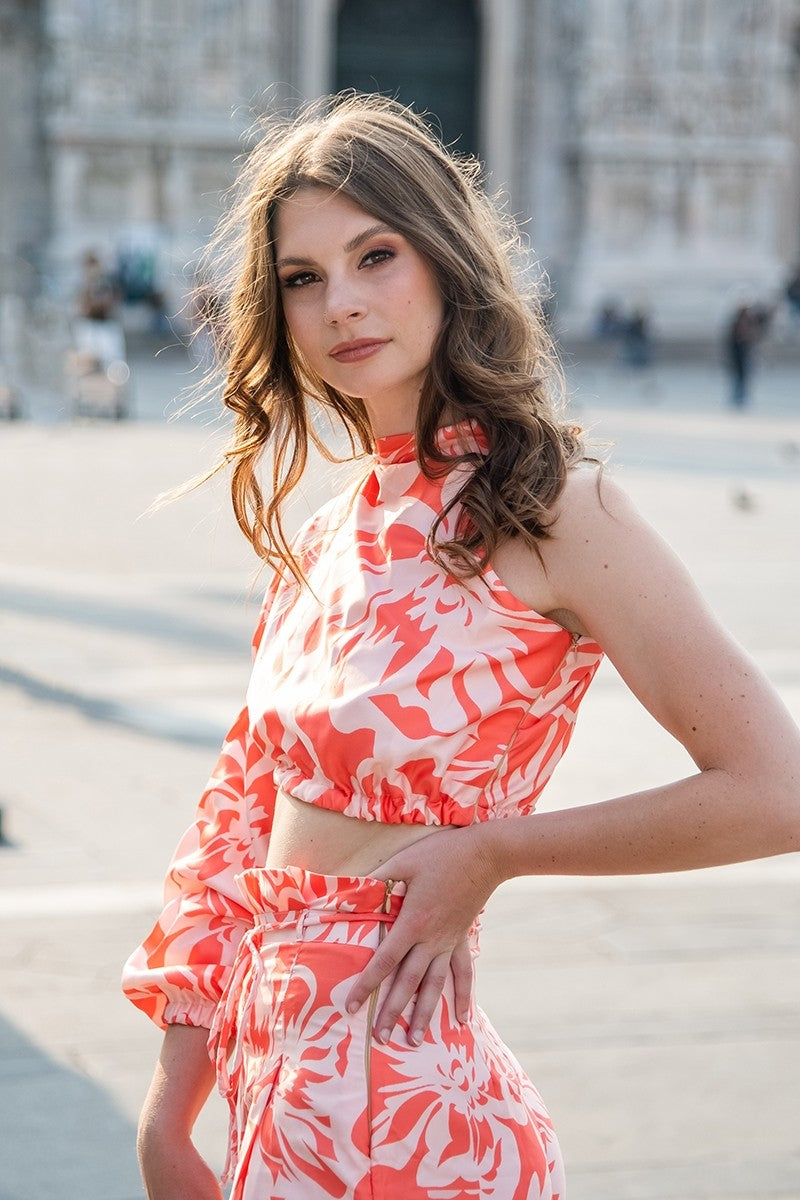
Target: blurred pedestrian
(99, 295)
(97, 330)
(608, 322)
(793, 294)
(636, 339)
(746, 328)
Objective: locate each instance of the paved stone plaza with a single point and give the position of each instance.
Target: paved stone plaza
(660, 1017)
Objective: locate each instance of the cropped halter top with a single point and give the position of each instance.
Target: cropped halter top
(390, 690)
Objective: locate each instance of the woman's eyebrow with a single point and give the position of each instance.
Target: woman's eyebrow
(352, 245)
(365, 235)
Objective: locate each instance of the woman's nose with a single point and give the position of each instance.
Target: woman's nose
(343, 302)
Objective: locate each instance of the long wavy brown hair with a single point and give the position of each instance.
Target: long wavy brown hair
(493, 360)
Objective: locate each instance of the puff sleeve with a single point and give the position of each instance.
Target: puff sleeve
(179, 972)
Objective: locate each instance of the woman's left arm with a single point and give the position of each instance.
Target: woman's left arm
(630, 593)
(633, 595)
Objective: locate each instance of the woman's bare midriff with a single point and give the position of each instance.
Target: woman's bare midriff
(331, 843)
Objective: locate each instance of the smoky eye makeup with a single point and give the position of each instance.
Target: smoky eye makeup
(297, 279)
(378, 254)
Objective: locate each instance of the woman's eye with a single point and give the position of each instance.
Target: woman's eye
(299, 279)
(372, 257)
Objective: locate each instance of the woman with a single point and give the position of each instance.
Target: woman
(421, 654)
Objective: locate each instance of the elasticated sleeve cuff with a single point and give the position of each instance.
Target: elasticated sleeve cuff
(198, 1013)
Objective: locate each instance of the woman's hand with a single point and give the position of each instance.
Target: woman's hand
(449, 877)
(173, 1170)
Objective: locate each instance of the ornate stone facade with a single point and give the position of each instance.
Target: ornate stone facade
(685, 153)
(650, 146)
(146, 104)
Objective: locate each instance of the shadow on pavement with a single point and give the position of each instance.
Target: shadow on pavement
(62, 1136)
(143, 718)
(140, 620)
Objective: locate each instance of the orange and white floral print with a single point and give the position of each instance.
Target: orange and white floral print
(387, 690)
(320, 1108)
(178, 973)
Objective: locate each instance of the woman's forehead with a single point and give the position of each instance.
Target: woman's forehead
(320, 214)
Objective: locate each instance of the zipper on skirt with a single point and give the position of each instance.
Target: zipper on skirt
(373, 1003)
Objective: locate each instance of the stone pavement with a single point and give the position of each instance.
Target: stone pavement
(658, 1016)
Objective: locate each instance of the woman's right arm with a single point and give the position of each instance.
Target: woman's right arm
(171, 1167)
(179, 973)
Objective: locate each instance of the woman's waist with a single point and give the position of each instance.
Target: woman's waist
(280, 897)
(332, 843)
(293, 904)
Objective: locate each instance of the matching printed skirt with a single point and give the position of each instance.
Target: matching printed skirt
(321, 1109)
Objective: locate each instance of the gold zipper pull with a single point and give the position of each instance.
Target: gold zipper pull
(387, 900)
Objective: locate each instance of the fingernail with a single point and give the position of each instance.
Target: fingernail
(353, 1007)
(383, 1035)
(463, 1017)
(415, 1036)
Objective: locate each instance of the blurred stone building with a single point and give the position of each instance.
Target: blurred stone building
(651, 146)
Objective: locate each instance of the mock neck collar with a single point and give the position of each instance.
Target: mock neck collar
(462, 438)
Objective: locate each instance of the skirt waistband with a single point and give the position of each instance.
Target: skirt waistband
(285, 891)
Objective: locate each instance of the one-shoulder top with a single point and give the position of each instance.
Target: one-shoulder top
(385, 688)
(390, 690)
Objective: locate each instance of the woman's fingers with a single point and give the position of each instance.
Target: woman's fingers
(459, 962)
(386, 959)
(420, 976)
(447, 885)
(461, 965)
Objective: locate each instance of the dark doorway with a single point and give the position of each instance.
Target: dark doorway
(424, 52)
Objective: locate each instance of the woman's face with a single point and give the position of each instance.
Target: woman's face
(362, 307)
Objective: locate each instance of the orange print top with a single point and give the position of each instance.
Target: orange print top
(387, 689)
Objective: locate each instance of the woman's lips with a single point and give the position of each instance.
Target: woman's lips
(357, 350)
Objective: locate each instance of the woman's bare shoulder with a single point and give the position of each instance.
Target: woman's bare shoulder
(605, 561)
(590, 495)
(595, 538)
(591, 520)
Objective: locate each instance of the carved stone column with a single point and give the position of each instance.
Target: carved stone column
(501, 63)
(24, 211)
(317, 35)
